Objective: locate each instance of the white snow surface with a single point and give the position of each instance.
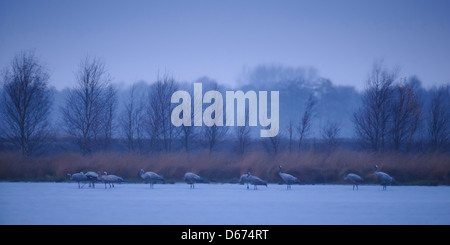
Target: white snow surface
(222, 204)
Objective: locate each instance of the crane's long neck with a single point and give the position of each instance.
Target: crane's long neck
(143, 174)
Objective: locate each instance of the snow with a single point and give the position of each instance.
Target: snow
(64, 203)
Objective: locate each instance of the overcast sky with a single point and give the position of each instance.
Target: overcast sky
(219, 39)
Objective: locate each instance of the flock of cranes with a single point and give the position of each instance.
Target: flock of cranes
(92, 177)
(191, 178)
(383, 178)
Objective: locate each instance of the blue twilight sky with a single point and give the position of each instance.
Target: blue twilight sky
(221, 39)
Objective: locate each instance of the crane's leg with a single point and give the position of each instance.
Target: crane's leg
(247, 186)
(105, 185)
(357, 187)
(79, 185)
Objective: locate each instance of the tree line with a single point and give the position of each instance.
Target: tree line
(392, 115)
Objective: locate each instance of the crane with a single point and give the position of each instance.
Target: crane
(255, 181)
(383, 177)
(287, 178)
(78, 177)
(151, 177)
(192, 178)
(355, 179)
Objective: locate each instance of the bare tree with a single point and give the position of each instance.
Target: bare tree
(371, 120)
(405, 113)
(290, 130)
(439, 118)
(109, 114)
(159, 112)
(243, 135)
(151, 123)
(273, 144)
(304, 126)
(88, 111)
(188, 133)
(132, 119)
(214, 134)
(330, 132)
(26, 101)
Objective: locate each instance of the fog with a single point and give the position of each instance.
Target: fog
(336, 103)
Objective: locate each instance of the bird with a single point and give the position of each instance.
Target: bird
(192, 178)
(78, 177)
(384, 178)
(110, 179)
(287, 178)
(244, 180)
(92, 178)
(355, 179)
(151, 177)
(255, 181)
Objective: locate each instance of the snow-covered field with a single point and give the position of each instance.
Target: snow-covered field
(64, 203)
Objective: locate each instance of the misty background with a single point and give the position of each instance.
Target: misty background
(223, 39)
(323, 50)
